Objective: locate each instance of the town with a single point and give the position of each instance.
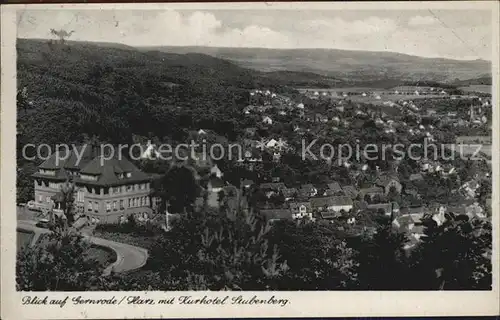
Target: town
(234, 178)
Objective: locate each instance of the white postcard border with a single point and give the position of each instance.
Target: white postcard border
(305, 303)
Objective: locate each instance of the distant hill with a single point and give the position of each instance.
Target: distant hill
(345, 64)
(476, 81)
(174, 67)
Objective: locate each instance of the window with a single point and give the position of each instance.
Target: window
(88, 177)
(130, 187)
(121, 205)
(47, 199)
(147, 201)
(89, 206)
(130, 203)
(124, 189)
(120, 176)
(114, 206)
(143, 186)
(96, 207)
(79, 195)
(108, 206)
(40, 199)
(129, 174)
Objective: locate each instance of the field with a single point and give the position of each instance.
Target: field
(483, 88)
(393, 98)
(340, 90)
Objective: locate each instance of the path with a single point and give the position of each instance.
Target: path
(128, 257)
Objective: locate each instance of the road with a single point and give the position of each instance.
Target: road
(129, 257)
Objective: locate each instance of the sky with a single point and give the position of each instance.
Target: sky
(455, 34)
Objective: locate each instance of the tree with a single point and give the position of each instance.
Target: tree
(65, 200)
(317, 257)
(62, 35)
(393, 194)
(178, 187)
(455, 255)
(225, 251)
(367, 198)
(62, 265)
(381, 258)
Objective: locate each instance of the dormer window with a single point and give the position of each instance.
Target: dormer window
(128, 174)
(48, 172)
(120, 176)
(88, 177)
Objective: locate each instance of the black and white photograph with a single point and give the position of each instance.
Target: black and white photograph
(213, 149)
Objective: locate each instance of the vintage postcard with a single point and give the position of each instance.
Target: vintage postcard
(249, 160)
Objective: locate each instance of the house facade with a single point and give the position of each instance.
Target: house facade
(106, 188)
(301, 210)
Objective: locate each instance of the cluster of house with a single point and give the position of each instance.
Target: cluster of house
(328, 201)
(368, 92)
(410, 219)
(266, 98)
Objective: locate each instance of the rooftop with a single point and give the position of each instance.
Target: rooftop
(101, 170)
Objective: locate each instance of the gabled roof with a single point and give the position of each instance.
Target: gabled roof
(287, 192)
(458, 210)
(331, 201)
(365, 191)
(247, 182)
(307, 187)
(69, 160)
(216, 182)
(384, 180)
(273, 185)
(295, 206)
(335, 186)
(330, 214)
(387, 207)
(412, 210)
(330, 192)
(350, 191)
(416, 176)
(403, 222)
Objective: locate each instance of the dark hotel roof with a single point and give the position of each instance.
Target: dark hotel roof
(108, 171)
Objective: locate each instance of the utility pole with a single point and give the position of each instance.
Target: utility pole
(167, 227)
(392, 213)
